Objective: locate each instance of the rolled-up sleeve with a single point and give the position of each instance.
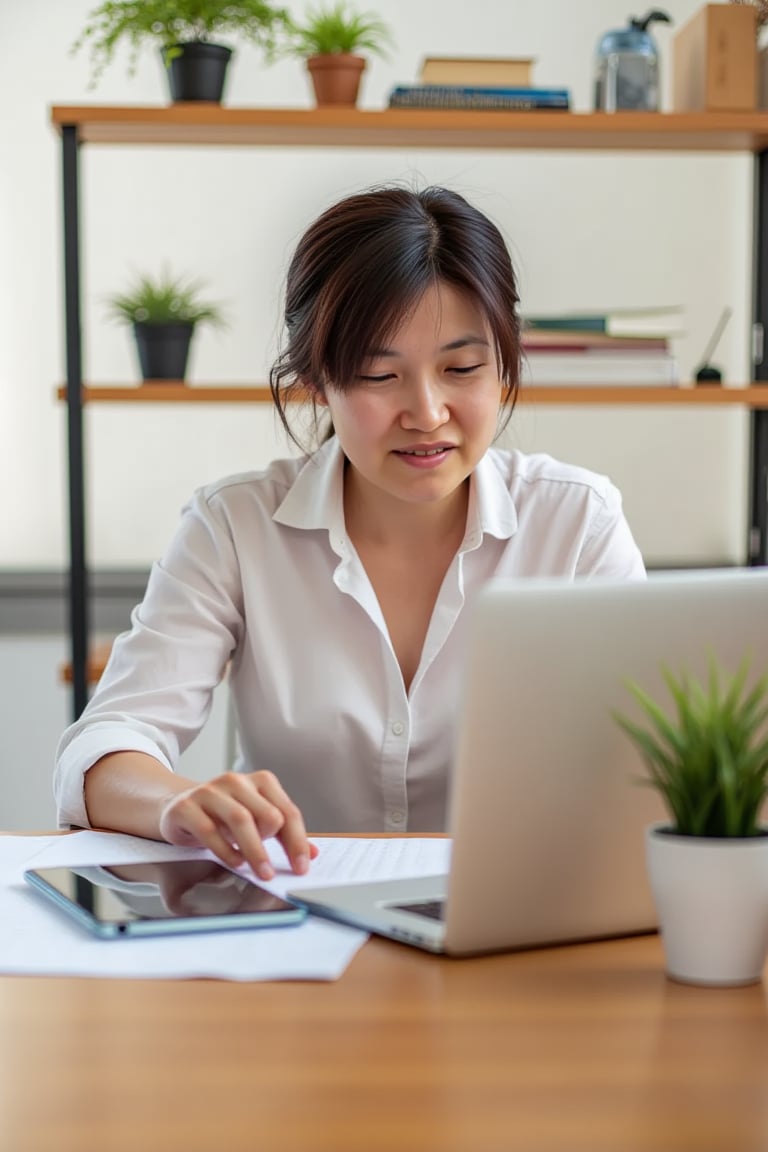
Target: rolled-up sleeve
(157, 688)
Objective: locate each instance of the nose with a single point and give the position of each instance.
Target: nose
(424, 407)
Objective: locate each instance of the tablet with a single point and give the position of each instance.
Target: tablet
(161, 898)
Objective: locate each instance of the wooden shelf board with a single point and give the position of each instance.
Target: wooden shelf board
(97, 662)
(753, 396)
(196, 124)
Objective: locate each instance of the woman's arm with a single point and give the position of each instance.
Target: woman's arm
(156, 691)
(231, 815)
(127, 791)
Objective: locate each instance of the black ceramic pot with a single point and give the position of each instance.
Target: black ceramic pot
(163, 350)
(199, 72)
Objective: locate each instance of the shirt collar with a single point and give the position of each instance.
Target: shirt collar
(491, 507)
(315, 499)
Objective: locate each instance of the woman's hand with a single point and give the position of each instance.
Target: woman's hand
(233, 815)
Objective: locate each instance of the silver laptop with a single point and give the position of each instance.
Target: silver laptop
(546, 816)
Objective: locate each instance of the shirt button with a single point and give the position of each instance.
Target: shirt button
(398, 729)
(396, 816)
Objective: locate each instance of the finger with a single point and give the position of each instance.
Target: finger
(208, 834)
(240, 812)
(264, 811)
(230, 811)
(243, 827)
(292, 835)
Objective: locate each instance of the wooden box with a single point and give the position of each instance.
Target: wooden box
(714, 60)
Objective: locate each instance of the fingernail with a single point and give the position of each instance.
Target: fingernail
(301, 863)
(265, 870)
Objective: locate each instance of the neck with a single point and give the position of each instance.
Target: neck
(376, 518)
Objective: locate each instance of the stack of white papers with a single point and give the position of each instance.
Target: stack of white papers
(38, 939)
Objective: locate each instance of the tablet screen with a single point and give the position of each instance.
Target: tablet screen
(122, 896)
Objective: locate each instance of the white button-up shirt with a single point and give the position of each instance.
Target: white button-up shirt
(261, 576)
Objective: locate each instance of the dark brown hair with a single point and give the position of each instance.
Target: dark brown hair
(363, 264)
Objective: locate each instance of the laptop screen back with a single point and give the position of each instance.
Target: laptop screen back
(547, 815)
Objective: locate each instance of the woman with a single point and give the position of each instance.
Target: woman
(334, 586)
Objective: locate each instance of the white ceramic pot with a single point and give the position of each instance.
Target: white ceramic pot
(711, 898)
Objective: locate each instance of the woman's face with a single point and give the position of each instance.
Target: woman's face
(425, 408)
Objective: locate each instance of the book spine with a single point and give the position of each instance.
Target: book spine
(601, 369)
(542, 341)
(473, 71)
(456, 96)
(510, 103)
(567, 323)
(520, 77)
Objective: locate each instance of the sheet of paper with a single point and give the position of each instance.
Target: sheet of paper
(341, 860)
(16, 850)
(40, 940)
(351, 860)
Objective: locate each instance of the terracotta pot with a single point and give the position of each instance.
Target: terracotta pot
(336, 78)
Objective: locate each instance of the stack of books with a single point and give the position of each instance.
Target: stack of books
(478, 82)
(629, 346)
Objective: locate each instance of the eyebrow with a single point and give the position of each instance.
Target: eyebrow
(462, 342)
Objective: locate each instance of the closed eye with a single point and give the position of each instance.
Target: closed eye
(378, 379)
(465, 371)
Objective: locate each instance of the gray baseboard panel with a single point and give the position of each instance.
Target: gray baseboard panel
(36, 602)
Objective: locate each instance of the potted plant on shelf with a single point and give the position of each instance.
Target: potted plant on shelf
(708, 869)
(163, 314)
(187, 33)
(331, 40)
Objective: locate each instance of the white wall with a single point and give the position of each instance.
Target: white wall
(35, 707)
(594, 231)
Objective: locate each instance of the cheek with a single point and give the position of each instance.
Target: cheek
(481, 408)
(361, 414)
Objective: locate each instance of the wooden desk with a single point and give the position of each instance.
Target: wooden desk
(583, 1049)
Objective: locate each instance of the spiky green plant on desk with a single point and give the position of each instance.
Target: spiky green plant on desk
(710, 763)
(709, 868)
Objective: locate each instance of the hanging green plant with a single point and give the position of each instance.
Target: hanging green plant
(169, 24)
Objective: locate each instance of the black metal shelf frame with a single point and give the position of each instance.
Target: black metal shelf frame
(78, 562)
(757, 543)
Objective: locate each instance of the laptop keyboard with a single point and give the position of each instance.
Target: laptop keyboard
(430, 909)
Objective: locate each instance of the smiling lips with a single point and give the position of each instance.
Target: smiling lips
(424, 455)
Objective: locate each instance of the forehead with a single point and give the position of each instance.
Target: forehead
(443, 310)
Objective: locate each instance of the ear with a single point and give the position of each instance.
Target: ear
(314, 392)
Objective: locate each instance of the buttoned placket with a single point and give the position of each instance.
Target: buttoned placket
(352, 580)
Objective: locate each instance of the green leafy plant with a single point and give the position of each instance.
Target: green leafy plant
(164, 300)
(709, 762)
(168, 23)
(339, 28)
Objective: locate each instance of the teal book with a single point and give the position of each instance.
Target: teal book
(652, 321)
(568, 323)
